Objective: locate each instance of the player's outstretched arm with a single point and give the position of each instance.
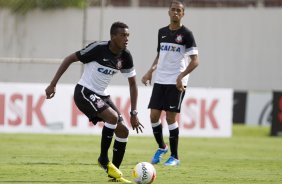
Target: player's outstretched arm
(134, 120)
(51, 89)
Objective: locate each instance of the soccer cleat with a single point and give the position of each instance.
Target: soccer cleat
(111, 170)
(158, 155)
(172, 161)
(120, 180)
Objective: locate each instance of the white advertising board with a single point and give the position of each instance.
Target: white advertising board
(206, 112)
(259, 108)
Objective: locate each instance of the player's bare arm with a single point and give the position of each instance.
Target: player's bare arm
(192, 65)
(147, 78)
(51, 89)
(133, 99)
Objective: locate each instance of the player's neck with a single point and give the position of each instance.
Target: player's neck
(175, 26)
(114, 49)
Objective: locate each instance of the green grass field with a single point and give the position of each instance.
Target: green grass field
(250, 156)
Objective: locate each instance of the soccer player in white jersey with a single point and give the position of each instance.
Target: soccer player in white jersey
(177, 57)
(101, 61)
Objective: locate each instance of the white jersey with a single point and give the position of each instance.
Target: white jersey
(174, 49)
(100, 64)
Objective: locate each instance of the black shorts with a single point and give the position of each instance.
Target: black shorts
(91, 103)
(166, 97)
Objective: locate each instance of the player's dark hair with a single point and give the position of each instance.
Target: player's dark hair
(178, 1)
(116, 25)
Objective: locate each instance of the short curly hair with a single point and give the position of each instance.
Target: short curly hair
(117, 25)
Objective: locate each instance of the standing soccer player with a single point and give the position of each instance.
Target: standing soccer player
(101, 61)
(176, 59)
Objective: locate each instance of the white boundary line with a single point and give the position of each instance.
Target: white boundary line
(31, 60)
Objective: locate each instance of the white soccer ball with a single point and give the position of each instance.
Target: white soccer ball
(144, 173)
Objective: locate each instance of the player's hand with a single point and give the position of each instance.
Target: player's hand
(146, 79)
(136, 124)
(179, 84)
(50, 91)
(180, 87)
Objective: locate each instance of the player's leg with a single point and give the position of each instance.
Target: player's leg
(110, 117)
(156, 106)
(107, 133)
(173, 138)
(96, 110)
(172, 107)
(121, 138)
(157, 127)
(158, 134)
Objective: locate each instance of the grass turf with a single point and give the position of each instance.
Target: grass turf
(250, 156)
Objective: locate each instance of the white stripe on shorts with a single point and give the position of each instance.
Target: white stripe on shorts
(180, 97)
(91, 103)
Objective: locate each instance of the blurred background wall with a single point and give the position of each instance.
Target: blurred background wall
(239, 46)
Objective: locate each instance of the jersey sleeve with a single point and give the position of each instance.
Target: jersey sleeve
(159, 38)
(128, 68)
(191, 46)
(87, 54)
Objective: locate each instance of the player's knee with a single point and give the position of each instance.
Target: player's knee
(155, 115)
(122, 131)
(109, 115)
(113, 118)
(154, 118)
(170, 117)
(125, 132)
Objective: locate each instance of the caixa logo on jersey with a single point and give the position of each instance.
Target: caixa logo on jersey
(170, 48)
(106, 71)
